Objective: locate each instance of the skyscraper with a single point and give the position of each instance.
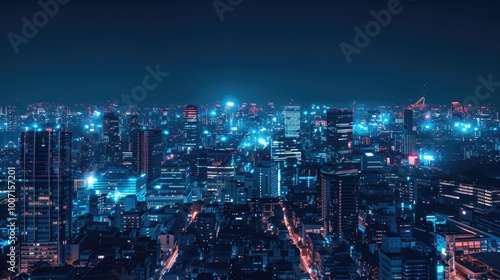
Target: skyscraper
(339, 134)
(191, 127)
(292, 121)
(266, 179)
(286, 150)
(408, 121)
(111, 138)
(408, 136)
(148, 154)
(339, 208)
(44, 196)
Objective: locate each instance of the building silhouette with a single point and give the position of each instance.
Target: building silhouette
(44, 196)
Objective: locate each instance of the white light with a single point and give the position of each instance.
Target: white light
(230, 104)
(91, 181)
(428, 157)
(262, 142)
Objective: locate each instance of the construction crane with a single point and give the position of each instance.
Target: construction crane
(420, 104)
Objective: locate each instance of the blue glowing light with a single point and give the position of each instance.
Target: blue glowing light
(223, 138)
(117, 196)
(166, 132)
(440, 269)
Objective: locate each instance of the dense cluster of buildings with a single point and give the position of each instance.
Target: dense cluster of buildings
(248, 191)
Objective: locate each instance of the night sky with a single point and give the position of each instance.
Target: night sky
(274, 50)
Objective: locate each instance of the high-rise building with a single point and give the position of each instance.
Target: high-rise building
(482, 196)
(148, 154)
(286, 150)
(206, 224)
(44, 196)
(118, 183)
(408, 143)
(11, 118)
(408, 136)
(339, 134)
(266, 179)
(408, 121)
(111, 138)
(390, 258)
(191, 127)
(174, 187)
(339, 191)
(397, 262)
(130, 127)
(292, 121)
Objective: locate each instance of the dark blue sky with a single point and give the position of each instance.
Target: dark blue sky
(262, 51)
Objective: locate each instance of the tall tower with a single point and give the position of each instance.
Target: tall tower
(408, 121)
(292, 121)
(266, 179)
(147, 153)
(408, 137)
(111, 138)
(11, 118)
(339, 133)
(339, 209)
(191, 127)
(44, 196)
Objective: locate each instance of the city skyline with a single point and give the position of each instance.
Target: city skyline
(242, 140)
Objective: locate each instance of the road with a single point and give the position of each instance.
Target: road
(170, 261)
(305, 263)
